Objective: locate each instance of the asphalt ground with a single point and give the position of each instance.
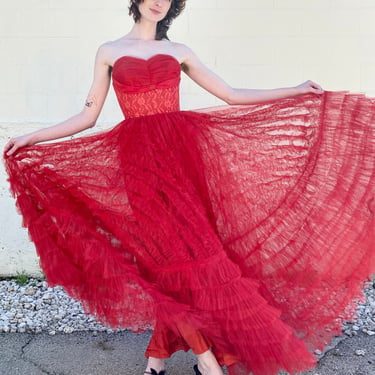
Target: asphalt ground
(88, 353)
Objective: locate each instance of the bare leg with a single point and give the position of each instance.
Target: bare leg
(208, 365)
(155, 363)
(159, 348)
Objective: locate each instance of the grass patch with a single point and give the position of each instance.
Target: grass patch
(21, 279)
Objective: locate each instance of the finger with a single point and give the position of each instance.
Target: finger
(316, 86)
(8, 146)
(318, 91)
(12, 150)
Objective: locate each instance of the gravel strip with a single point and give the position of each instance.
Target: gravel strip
(35, 308)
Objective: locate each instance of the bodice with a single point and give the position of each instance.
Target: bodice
(145, 87)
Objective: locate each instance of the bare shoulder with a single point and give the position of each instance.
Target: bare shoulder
(183, 52)
(107, 51)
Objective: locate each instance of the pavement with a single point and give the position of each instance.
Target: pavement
(121, 353)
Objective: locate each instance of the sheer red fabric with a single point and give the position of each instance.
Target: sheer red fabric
(253, 225)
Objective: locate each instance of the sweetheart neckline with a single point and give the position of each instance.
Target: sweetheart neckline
(145, 60)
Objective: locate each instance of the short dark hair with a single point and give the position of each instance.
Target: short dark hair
(177, 6)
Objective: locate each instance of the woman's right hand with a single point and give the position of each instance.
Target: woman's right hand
(16, 143)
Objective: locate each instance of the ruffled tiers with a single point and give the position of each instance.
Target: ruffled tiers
(251, 224)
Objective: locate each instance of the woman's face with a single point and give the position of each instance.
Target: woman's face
(154, 10)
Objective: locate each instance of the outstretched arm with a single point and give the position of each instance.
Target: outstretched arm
(211, 82)
(83, 120)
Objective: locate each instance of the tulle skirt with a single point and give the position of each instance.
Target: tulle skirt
(252, 225)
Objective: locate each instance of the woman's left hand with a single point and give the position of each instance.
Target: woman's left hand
(310, 87)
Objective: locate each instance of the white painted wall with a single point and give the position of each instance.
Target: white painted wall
(48, 48)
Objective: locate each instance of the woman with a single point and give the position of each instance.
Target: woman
(240, 233)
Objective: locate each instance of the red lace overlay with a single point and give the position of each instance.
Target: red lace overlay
(148, 103)
(253, 225)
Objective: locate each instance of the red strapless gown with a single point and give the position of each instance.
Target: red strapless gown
(253, 225)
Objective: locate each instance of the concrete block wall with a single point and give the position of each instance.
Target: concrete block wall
(48, 48)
